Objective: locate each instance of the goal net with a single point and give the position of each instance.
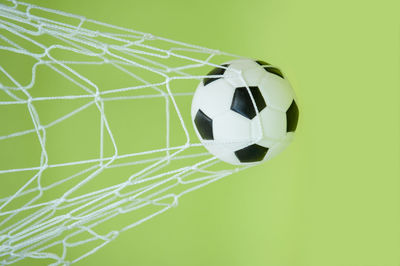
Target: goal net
(96, 135)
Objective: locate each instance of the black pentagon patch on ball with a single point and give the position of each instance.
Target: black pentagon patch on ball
(242, 103)
(292, 116)
(270, 68)
(204, 125)
(218, 71)
(251, 154)
(262, 63)
(274, 71)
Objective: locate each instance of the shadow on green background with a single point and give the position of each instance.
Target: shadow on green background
(332, 198)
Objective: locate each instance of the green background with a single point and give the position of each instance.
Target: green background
(331, 199)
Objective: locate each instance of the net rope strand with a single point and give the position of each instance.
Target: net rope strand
(51, 214)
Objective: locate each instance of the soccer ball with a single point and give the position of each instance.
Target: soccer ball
(244, 111)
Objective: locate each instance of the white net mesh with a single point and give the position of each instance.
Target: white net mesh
(95, 134)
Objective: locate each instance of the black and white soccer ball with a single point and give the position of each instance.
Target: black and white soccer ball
(245, 112)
